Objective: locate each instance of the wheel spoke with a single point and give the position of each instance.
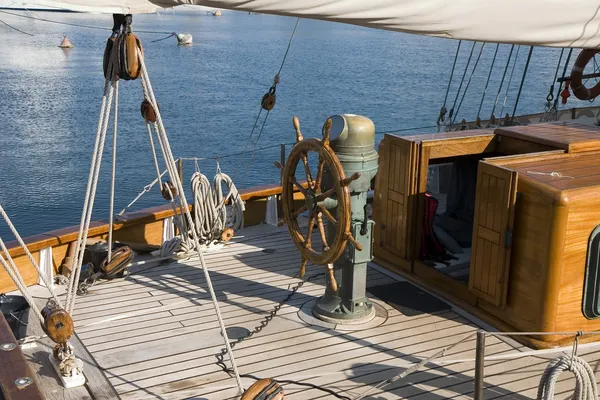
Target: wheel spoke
(322, 231)
(309, 177)
(325, 195)
(311, 226)
(319, 174)
(299, 186)
(299, 211)
(328, 215)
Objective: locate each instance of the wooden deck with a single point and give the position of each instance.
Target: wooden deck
(155, 335)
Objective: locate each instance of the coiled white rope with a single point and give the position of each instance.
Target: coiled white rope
(586, 387)
(233, 214)
(205, 210)
(212, 213)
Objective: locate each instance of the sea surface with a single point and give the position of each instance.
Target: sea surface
(209, 95)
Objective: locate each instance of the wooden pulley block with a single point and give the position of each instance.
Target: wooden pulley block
(119, 260)
(130, 67)
(264, 389)
(167, 190)
(227, 234)
(58, 324)
(268, 100)
(147, 111)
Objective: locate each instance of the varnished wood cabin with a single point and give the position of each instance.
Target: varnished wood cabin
(520, 214)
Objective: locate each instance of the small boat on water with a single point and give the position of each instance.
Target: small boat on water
(458, 263)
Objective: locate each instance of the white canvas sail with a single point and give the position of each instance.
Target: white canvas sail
(90, 6)
(556, 23)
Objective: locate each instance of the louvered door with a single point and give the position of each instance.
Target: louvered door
(395, 196)
(492, 232)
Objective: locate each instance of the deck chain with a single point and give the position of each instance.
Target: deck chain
(263, 324)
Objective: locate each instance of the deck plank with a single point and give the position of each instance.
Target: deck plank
(161, 341)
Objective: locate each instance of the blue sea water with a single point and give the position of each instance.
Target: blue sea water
(209, 94)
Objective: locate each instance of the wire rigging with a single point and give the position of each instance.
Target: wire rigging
(468, 83)
(451, 114)
(264, 122)
(16, 29)
(488, 79)
(76, 25)
(522, 82)
(444, 110)
(510, 80)
(563, 78)
(502, 80)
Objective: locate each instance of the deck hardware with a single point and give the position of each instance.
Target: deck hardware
(7, 346)
(237, 332)
(23, 382)
(336, 200)
(479, 364)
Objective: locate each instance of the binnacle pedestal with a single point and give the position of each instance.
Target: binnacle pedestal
(353, 141)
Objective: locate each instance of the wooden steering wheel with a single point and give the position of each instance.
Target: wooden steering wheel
(315, 197)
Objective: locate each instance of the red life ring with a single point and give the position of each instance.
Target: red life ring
(580, 91)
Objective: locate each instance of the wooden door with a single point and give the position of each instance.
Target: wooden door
(395, 198)
(492, 232)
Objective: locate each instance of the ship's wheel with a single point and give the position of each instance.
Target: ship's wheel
(317, 197)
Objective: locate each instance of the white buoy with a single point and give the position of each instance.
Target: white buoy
(66, 43)
(184, 38)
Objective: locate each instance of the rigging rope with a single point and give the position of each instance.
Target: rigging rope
(510, 80)
(488, 79)
(468, 84)
(35, 264)
(563, 78)
(111, 216)
(549, 110)
(444, 110)
(512, 118)
(90, 195)
(275, 82)
(13, 272)
(451, 114)
(415, 367)
(172, 168)
(16, 29)
(75, 25)
(502, 81)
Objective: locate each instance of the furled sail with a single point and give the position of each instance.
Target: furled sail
(556, 23)
(91, 6)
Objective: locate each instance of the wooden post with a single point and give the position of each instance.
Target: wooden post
(479, 364)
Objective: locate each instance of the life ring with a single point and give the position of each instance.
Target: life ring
(580, 91)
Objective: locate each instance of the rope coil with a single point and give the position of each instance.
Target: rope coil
(586, 387)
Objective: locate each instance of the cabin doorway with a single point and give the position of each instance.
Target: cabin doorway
(448, 217)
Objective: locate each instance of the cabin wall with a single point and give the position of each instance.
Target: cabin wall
(532, 235)
(584, 216)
